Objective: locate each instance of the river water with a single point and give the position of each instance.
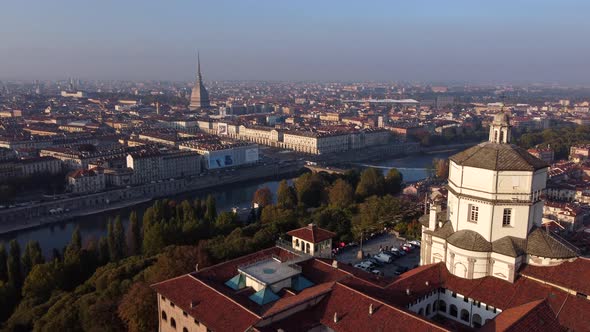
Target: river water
(57, 235)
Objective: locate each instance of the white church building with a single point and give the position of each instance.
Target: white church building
(492, 220)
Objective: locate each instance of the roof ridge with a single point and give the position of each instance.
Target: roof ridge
(227, 297)
(408, 313)
(539, 302)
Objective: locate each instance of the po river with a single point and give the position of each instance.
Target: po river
(58, 235)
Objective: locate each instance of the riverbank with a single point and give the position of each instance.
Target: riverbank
(40, 214)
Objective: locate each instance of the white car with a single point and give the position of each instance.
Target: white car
(415, 243)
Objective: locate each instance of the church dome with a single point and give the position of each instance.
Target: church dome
(469, 240)
(498, 157)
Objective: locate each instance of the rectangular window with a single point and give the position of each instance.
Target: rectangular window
(507, 217)
(473, 213)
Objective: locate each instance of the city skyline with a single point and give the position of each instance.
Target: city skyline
(510, 42)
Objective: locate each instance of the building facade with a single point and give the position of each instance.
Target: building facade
(494, 212)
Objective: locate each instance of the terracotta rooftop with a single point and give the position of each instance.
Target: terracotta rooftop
(527, 304)
(312, 233)
(532, 316)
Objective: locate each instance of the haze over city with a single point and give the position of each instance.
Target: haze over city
(440, 41)
(294, 166)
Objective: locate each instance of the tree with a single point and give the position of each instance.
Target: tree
(225, 222)
(262, 197)
(111, 241)
(119, 239)
(134, 234)
(393, 181)
(286, 196)
(341, 194)
(41, 281)
(371, 183)
(188, 213)
(441, 168)
(31, 256)
(309, 188)
(3, 262)
(14, 265)
(72, 253)
(9, 297)
(198, 207)
(154, 239)
(211, 210)
(104, 255)
(138, 308)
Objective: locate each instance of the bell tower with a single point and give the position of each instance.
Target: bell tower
(500, 129)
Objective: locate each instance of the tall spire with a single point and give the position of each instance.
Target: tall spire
(198, 65)
(199, 95)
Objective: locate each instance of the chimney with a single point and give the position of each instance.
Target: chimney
(335, 264)
(370, 309)
(435, 208)
(408, 291)
(194, 304)
(336, 317)
(197, 267)
(427, 283)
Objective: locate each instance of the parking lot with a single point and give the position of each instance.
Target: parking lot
(371, 247)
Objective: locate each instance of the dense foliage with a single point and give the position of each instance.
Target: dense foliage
(559, 138)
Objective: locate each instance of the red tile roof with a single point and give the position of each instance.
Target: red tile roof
(212, 309)
(352, 308)
(349, 292)
(312, 233)
(573, 275)
(532, 316)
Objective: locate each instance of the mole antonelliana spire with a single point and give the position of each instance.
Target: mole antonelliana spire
(199, 94)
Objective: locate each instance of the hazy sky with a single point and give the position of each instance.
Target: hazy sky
(416, 40)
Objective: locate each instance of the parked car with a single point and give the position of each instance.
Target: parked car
(416, 243)
(406, 249)
(401, 252)
(388, 253)
(382, 257)
(365, 265)
(375, 261)
(401, 270)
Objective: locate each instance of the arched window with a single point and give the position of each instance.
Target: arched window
(501, 136)
(307, 247)
(464, 315)
(421, 312)
(442, 306)
(297, 243)
(476, 320)
(172, 323)
(164, 317)
(453, 310)
(428, 309)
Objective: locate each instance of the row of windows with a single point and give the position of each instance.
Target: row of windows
(173, 321)
(474, 215)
